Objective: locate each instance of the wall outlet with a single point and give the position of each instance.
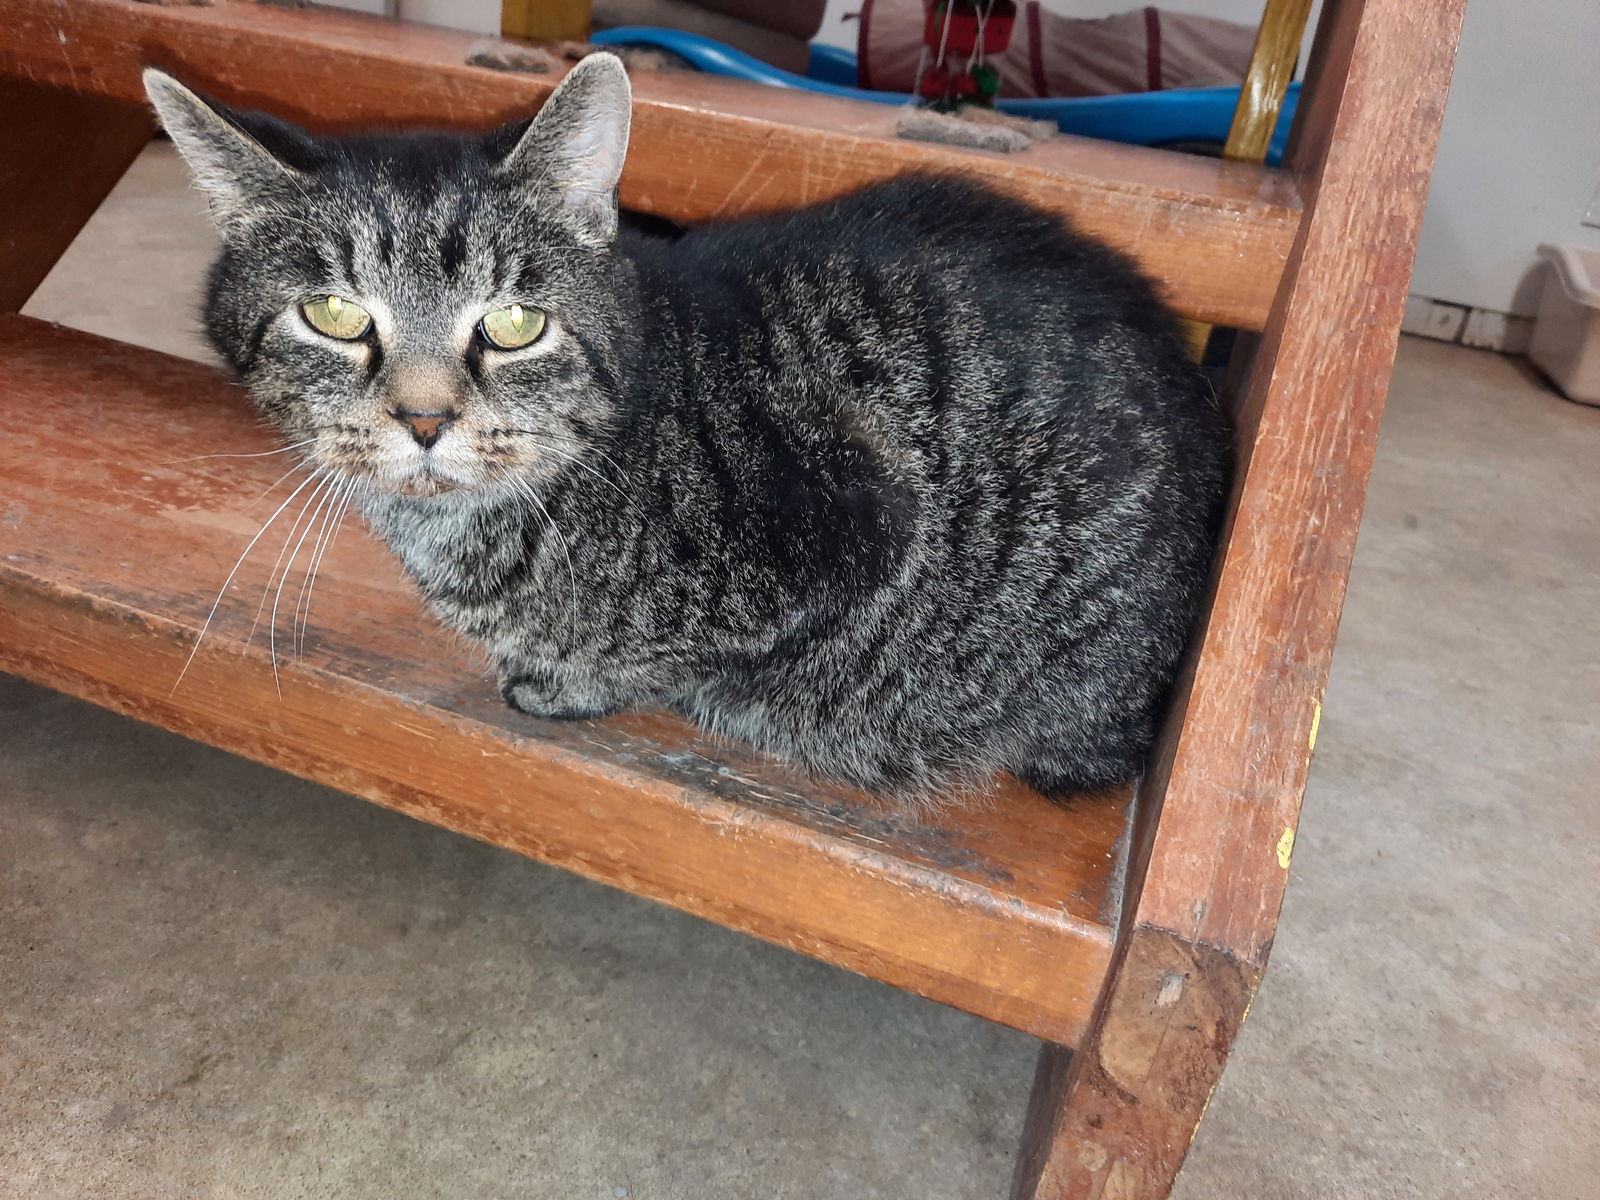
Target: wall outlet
(1592, 217)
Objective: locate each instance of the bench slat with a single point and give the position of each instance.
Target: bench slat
(1215, 234)
(111, 551)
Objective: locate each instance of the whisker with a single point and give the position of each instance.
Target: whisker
(527, 490)
(578, 462)
(338, 523)
(172, 462)
(272, 625)
(302, 607)
(301, 620)
(271, 487)
(589, 446)
(210, 616)
(278, 562)
(319, 522)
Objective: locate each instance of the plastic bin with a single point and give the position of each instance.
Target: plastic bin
(1566, 334)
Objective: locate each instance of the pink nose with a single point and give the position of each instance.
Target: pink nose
(426, 427)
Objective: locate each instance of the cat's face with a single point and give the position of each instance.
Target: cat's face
(420, 315)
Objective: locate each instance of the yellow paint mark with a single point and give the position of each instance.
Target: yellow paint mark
(1316, 724)
(1286, 848)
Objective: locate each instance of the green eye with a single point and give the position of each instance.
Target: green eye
(514, 327)
(337, 317)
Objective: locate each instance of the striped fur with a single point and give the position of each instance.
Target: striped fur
(909, 487)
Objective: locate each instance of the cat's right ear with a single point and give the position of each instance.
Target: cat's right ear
(238, 174)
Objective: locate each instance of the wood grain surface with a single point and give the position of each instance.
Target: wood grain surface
(114, 542)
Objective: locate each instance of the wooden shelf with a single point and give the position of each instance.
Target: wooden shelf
(114, 541)
(1215, 234)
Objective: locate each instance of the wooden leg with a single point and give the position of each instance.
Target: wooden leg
(1113, 1120)
(61, 152)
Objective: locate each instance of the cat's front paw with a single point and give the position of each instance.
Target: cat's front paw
(543, 694)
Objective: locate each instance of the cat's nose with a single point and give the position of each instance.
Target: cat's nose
(426, 427)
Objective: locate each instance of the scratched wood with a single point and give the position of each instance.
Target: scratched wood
(1214, 234)
(61, 153)
(114, 542)
(1215, 826)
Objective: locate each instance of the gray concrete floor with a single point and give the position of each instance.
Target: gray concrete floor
(217, 981)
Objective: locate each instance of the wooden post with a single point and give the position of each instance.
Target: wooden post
(1255, 117)
(1215, 826)
(1272, 61)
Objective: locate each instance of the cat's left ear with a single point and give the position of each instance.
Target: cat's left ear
(573, 151)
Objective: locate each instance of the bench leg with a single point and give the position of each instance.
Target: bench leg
(60, 154)
(1113, 1120)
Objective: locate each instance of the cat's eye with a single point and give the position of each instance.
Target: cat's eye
(337, 317)
(513, 327)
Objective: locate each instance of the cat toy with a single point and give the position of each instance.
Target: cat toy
(957, 29)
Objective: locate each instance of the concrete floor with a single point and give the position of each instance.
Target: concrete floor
(217, 981)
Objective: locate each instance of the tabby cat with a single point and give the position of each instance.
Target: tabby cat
(910, 487)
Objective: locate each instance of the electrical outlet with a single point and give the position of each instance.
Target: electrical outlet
(1592, 217)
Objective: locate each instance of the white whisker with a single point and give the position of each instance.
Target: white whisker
(210, 616)
(272, 487)
(172, 462)
(527, 490)
(578, 462)
(278, 562)
(338, 523)
(588, 446)
(272, 625)
(341, 497)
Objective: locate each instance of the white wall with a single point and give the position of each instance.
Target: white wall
(480, 16)
(1519, 158)
(477, 16)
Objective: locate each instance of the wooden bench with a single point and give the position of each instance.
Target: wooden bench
(1127, 931)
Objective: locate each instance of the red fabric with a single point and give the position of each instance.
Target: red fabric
(1036, 52)
(1052, 55)
(864, 48)
(1152, 49)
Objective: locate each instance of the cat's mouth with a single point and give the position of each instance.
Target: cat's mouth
(413, 479)
(425, 485)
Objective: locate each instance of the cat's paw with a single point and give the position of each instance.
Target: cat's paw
(546, 696)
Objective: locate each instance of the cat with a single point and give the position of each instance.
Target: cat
(910, 487)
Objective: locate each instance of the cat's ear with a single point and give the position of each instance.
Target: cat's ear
(573, 150)
(237, 172)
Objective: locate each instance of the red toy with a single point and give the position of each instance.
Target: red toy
(958, 30)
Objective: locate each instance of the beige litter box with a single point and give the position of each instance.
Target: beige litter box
(1566, 335)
